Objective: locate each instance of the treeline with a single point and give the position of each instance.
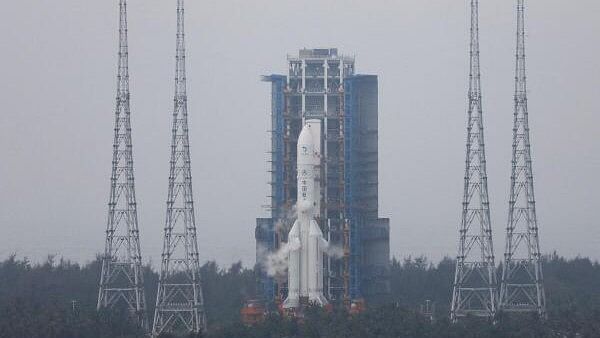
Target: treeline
(572, 286)
(58, 299)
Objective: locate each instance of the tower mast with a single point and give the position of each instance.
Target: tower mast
(121, 279)
(474, 289)
(179, 300)
(522, 287)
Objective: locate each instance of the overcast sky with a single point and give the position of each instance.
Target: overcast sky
(57, 89)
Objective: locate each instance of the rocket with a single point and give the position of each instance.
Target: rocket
(305, 239)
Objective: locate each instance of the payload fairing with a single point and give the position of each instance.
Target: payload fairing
(305, 239)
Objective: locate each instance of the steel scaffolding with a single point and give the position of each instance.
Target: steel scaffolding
(121, 279)
(522, 286)
(474, 290)
(179, 300)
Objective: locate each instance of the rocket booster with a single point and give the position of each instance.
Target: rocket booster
(305, 239)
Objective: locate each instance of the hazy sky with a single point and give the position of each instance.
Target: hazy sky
(57, 89)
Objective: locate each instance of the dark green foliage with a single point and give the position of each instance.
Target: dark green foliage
(383, 322)
(225, 291)
(416, 280)
(55, 299)
(58, 299)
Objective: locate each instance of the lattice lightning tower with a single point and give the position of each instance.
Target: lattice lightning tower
(121, 280)
(179, 301)
(522, 287)
(474, 289)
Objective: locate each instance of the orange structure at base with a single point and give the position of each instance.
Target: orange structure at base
(253, 312)
(357, 306)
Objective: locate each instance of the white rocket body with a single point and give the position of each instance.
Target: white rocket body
(305, 239)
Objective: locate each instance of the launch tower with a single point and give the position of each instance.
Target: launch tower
(475, 287)
(179, 300)
(121, 279)
(322, 84)
(522, 286)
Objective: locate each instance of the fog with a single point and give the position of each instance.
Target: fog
(57, 88)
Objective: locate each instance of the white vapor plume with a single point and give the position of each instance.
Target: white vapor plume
(335, 251)
(277, 262)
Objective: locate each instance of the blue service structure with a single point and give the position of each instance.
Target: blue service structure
(322, 84)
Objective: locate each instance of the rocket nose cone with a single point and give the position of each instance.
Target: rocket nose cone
(305, 137)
